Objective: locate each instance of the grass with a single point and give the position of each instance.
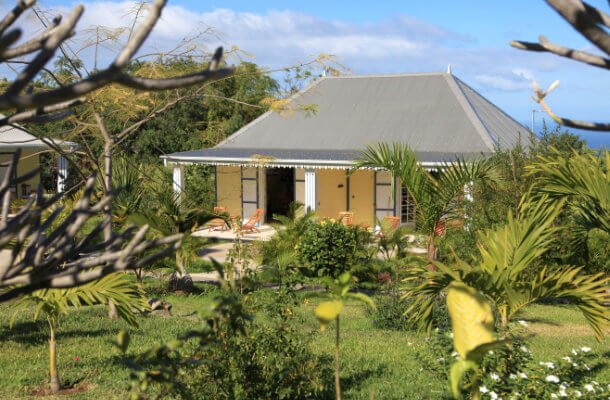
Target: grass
(377, 363)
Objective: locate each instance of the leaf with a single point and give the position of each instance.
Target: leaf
(328, 311)
(122, 340)
(458, 369)
(362, 298)
(471, 318)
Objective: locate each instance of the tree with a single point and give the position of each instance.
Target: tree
(52, 104)
(172, 214)
(591, 23)
(503, 276)
(54, 302)
(39, 258)
(435, 194)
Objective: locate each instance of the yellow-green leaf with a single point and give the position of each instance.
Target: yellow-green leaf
(471, 318)
(327, 312)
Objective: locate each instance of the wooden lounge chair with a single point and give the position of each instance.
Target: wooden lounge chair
(346, 217)
(218, 224)
(250, 226)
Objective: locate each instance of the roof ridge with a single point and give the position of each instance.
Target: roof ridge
(470, 111)
(492, 103)
(266, 114)
(393, 75)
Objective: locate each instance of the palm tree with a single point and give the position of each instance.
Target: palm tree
(582, 180)
(435, 195)
(503, 276)
(115, 288)
(171, 213)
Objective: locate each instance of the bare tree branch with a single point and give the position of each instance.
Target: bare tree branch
(43, 256)
(589, 22)
(12, 16)
(577, 55)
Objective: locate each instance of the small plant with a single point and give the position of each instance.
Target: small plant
(52, 303)
(329, 311)
(331, 248)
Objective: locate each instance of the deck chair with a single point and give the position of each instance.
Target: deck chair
(250, 226)
(346, 217)
(218, 223)
(389, 223)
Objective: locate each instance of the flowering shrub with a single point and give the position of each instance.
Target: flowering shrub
(511, 373)
(331, 248)
(568, 377)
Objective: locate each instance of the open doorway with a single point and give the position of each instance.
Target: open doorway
(279, 191)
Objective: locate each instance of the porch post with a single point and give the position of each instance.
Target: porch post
(62, 174)
(310, 190)
(178, 178)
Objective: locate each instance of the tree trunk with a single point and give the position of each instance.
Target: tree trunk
(337, 364)
(53, 359)
(108, 143)
(432, 252)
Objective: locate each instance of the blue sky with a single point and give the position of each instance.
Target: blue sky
(394, 37)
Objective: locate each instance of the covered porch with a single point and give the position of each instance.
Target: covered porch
(325, 182)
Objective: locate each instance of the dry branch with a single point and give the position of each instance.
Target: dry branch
(589, 22)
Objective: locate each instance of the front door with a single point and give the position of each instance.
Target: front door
(279, 191)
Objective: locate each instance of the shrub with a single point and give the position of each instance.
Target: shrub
(331, 248)
(390, 313)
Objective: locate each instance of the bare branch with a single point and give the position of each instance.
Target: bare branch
(572, 123)
(62, 32)
(30, 46)
(575, 12)
(136, 40)
(12, 16)
(140, 83)
(38, 115)
(546, 46)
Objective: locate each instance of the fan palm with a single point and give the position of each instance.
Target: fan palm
(435, 196)
(172, 213)
(503, 276)
(52, 303)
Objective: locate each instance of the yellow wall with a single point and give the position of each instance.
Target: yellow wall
(29, 161)
(331, 192)
(228, 187)
(361, 197)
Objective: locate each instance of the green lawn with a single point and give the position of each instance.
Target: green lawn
(375, 362)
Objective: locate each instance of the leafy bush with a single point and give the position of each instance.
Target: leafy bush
(599, 252)
(390, 313)
(331, 248)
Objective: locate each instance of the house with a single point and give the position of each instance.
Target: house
(282, 157)
(15, 137)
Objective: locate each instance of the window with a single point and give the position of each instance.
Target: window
(407, 207)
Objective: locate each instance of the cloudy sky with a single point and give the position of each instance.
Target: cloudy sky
(391, 37)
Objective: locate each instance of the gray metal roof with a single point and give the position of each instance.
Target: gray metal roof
(287, 157)
(436, 114)
(14, 137)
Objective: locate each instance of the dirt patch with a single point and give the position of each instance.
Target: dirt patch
(78, 388)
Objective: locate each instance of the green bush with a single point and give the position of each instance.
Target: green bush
(331, 248)
(598, 245)
(272, 361)
(390, 313)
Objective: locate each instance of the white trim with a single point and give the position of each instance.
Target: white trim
(286, 163)
(310, 190)
(178, 179)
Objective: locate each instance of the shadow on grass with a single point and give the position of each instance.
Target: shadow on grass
(37, 333)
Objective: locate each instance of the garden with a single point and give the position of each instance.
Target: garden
(499, 290)
(509, 301)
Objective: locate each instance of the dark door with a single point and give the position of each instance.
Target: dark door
(280, 191)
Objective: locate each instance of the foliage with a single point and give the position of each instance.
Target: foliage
(279, 255)
(169, 213)
(331, 248)
(330, 310)
(435, 195)
(390, 311)
(503, 276)
(390, 241)
(52, 303)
